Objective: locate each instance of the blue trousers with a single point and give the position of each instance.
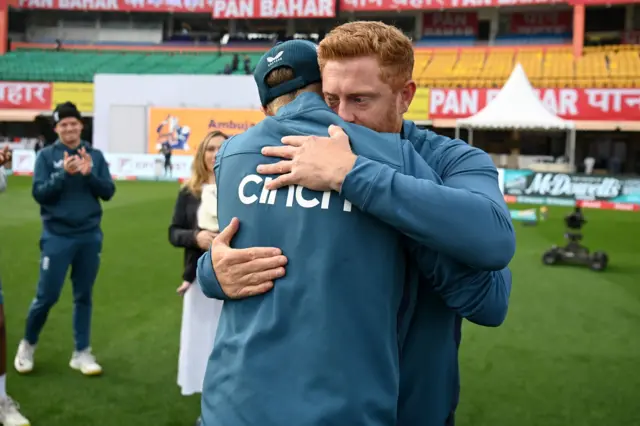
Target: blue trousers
(58, 253)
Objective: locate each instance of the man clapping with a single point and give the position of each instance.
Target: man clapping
(70, 178)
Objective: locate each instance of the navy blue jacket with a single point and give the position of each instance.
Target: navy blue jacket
(70, 204)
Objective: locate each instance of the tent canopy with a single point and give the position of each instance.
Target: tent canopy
(516, 106)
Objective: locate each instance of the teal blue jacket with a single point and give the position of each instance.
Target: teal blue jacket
(322, 347)
(70, 204)
(460, 238)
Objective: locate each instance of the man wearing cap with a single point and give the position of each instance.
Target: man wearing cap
(323, 348)
(70, 178)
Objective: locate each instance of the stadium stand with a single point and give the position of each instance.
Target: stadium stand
(554, 66)
(610, 66)
(81, 66)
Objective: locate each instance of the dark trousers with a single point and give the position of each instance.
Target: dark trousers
(167, 163)
(58, 253)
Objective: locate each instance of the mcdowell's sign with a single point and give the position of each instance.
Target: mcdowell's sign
(573, 186)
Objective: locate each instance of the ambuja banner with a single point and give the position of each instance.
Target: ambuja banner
(121, 166)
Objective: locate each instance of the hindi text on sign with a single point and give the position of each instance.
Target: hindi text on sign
(71, 4)
(25, 95)
(197, 6)
(382, 5)
(575, 104)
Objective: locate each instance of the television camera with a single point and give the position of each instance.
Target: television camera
(574, 252)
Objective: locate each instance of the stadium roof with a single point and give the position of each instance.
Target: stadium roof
(516, 106)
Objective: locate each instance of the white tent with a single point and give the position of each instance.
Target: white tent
(517, 106)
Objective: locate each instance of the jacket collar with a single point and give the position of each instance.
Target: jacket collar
(303, 102)
(83, 144)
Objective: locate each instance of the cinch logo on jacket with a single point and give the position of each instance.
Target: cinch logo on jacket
(252, 190)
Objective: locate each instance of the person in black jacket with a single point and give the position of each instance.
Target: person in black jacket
(193, 227)
(184, 231)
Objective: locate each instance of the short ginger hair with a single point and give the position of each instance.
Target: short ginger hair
(387, 43)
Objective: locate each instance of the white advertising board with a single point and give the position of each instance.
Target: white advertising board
(120, 103)
(137, 166)
(121, 166)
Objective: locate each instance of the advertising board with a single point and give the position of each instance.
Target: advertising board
(594, 191)
(185, 128)
(517, 186)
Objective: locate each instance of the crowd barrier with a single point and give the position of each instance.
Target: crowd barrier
(518, 186)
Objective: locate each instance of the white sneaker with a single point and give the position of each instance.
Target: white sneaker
(24, 358)
(10, 414)
(85, 362)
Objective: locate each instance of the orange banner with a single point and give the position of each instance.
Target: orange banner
(185, 128)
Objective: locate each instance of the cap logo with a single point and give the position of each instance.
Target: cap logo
(272, 60)
(56, 117)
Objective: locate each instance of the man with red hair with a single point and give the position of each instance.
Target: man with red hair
(366, 77)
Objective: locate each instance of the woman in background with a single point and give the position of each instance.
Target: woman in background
(193, 227)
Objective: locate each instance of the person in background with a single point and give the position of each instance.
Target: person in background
(69, 181)
(9, 412)
(247, 65)
(167, 150)
(40, 143)
(193, 227)
(235, 62)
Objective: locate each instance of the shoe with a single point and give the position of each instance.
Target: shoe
(85, 362)
(10, 414)
(199, 421)
(23, 362)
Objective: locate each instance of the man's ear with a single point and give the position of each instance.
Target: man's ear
(407, 93)
(266, 111)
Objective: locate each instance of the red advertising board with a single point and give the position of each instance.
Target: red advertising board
(555, 22)
(265, 9)
(600, 2)
(573, 104)
(382, 5)
(197, 6)
(222, 9)
(25, 95)
(450, 24)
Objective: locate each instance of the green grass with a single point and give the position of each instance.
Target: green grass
(567, 354)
